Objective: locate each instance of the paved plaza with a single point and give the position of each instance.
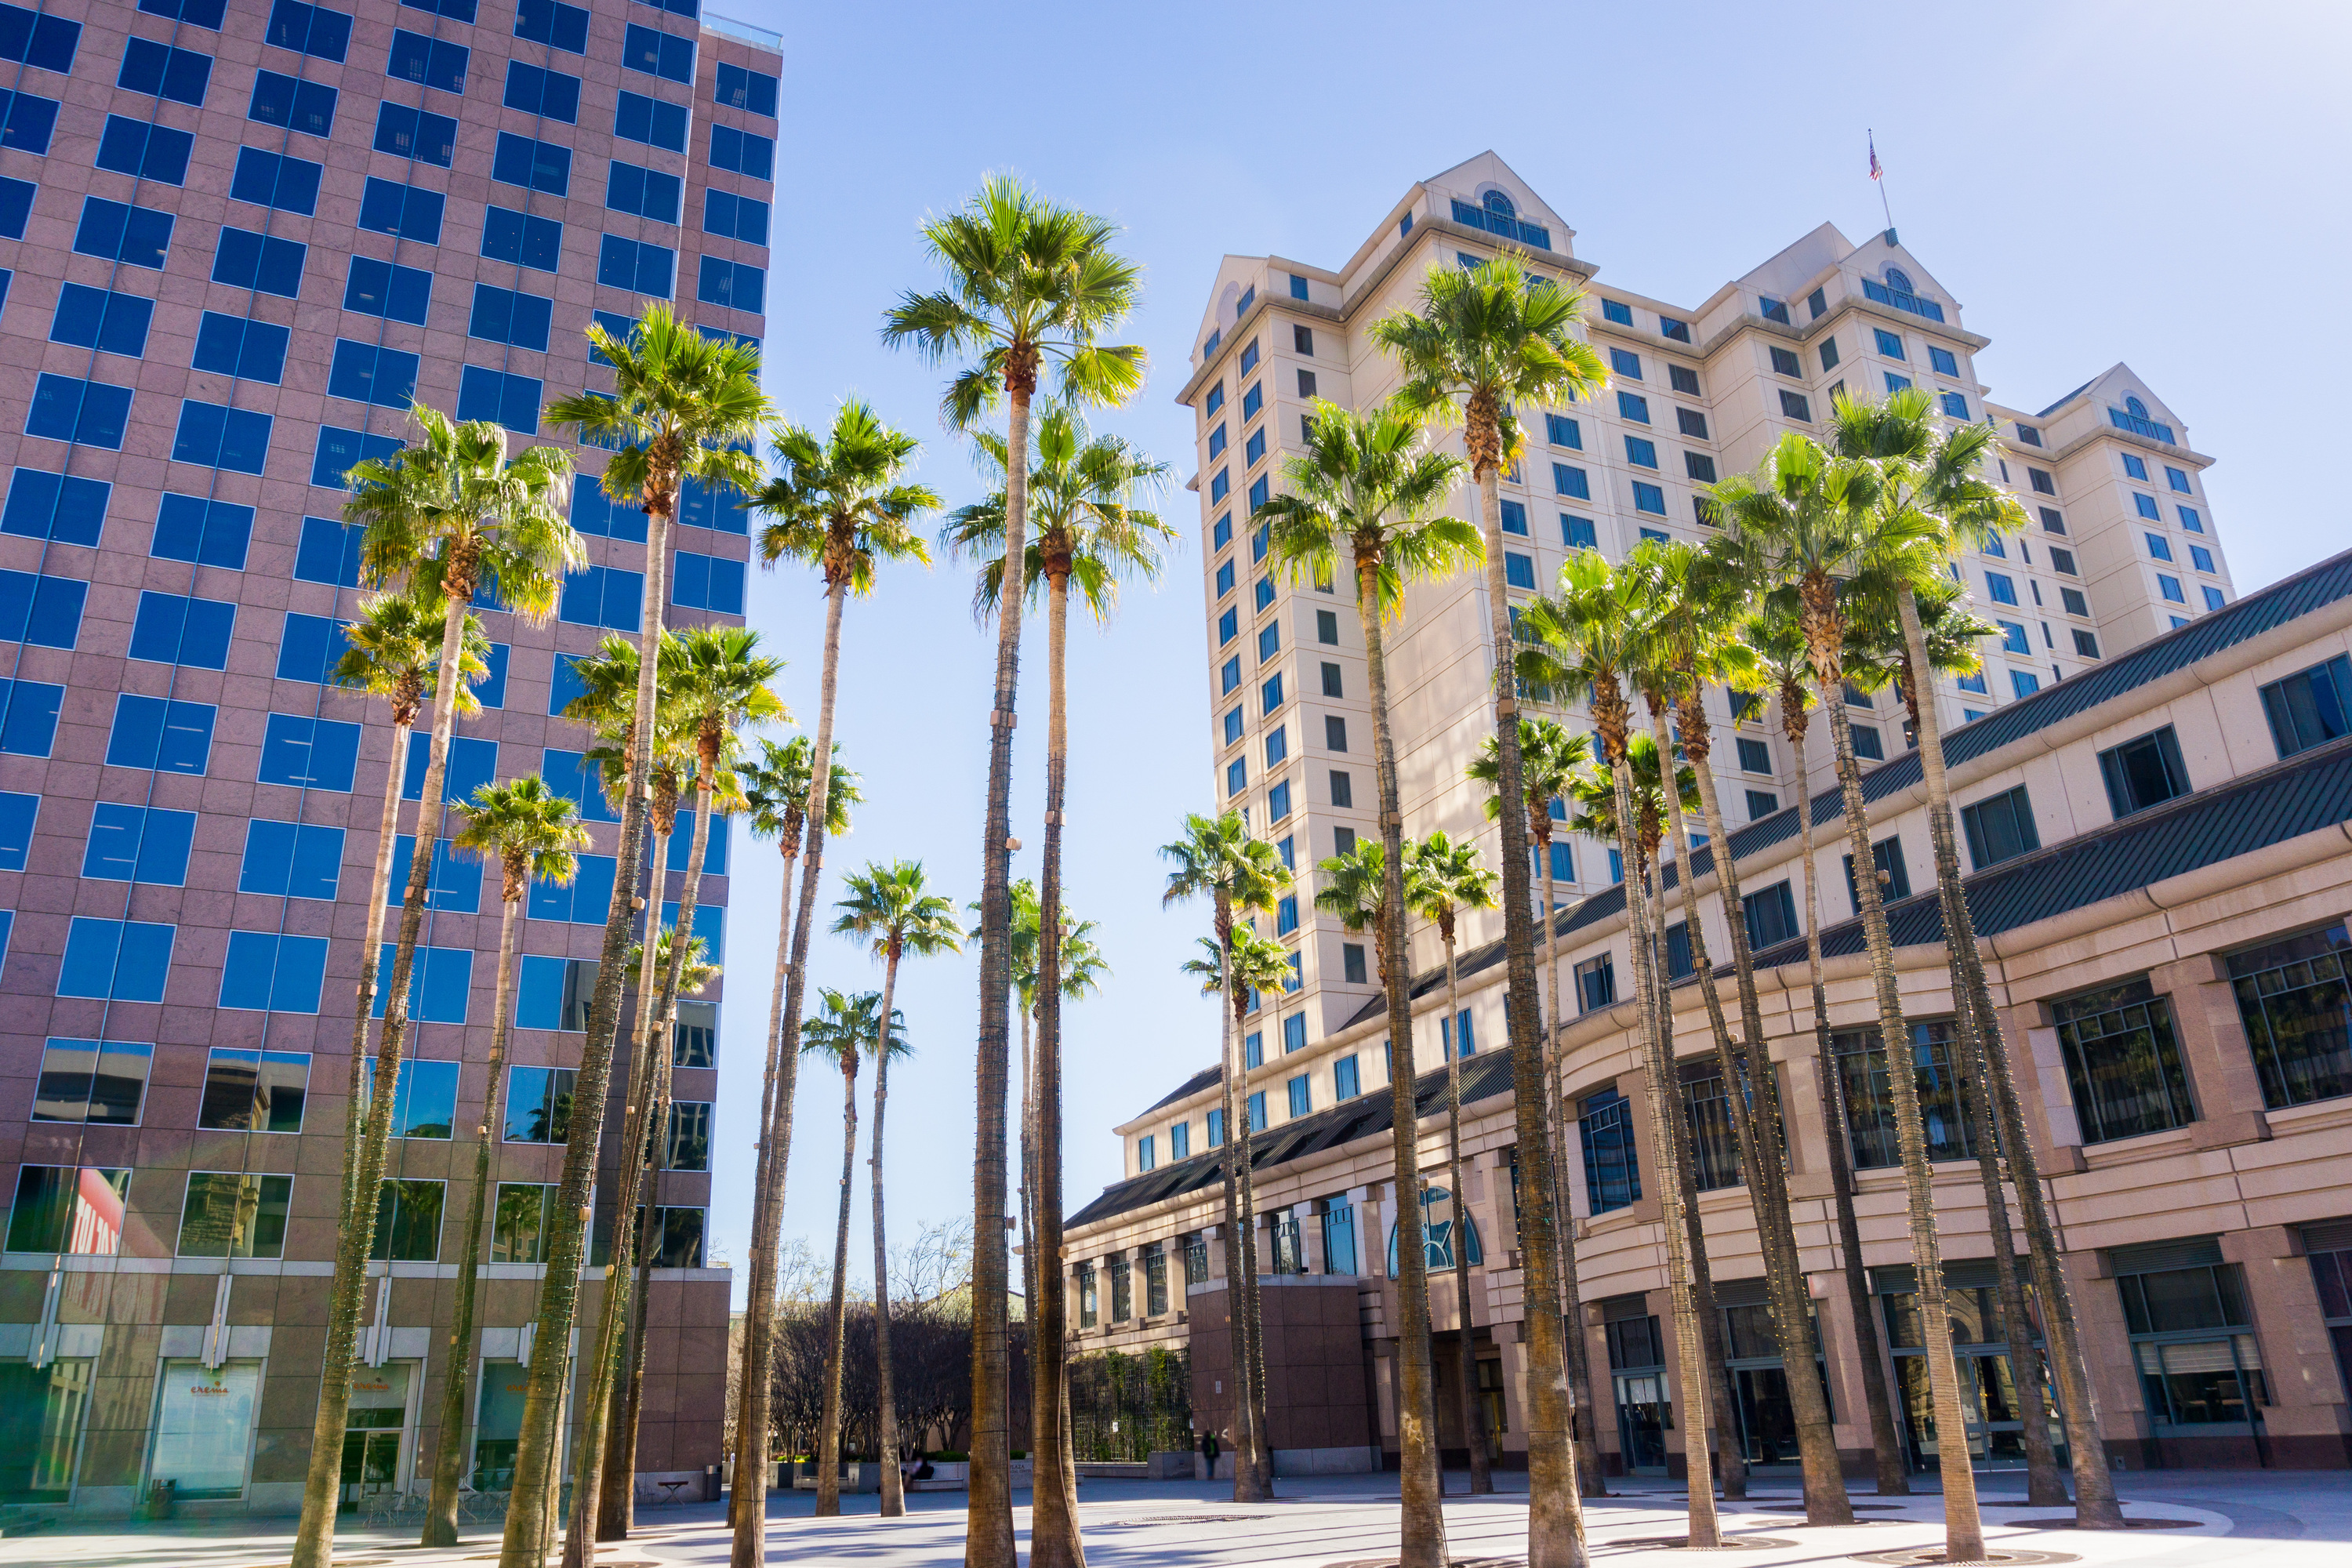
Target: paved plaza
(2299, 1519)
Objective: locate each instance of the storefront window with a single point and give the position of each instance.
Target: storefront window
(497, 1424)
(2297, 1009)
(204, 1428)
(374, 1425)
(2193, 1342)
(41, 1414)
(1638, 1374)
(1989, 1398)
(2331, 1268)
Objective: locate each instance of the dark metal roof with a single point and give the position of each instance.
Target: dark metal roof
(1191, 1086)
(1484, 1075)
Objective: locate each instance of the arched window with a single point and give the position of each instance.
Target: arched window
(2135, 408)
(1496, 202)
(1899, 280)
(1437, 1233)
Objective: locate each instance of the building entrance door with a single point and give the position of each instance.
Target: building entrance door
(375, 1431)
(1643, 1414)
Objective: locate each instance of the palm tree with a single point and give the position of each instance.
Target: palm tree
(533, 835)
(849, 1027)
(1089, 531)
(445, 514)
(1696, 605)
(718, 688)
(1443, 879)
(391, 650)
(1360, 887)
(1241, 875)
(1809, 519)
(841, 502)
(1485, 341)
(683, 406)
(1029, 284)
(777, 788)
(1782, 663)
(1589, 636)
(1939, 472)
(1368, 488)
(894, 911)
(1549, 756)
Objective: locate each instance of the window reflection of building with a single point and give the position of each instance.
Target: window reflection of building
(1988, 1402)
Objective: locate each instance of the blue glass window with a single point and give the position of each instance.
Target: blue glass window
(274, 180)
(88, 413)
(454, 882)
(508, 316)
(735, 217)
(538, 166)
(380, 289)
(471, 763)
(570, 775)
(281, 100)
(1518, 571)
(309, 29)
(116, 231)
(34, 39)
(28, 717)
(311, 646)
(99, 318)
(1642, 453)
(501, 398)
(741, 153)
(1515, 517)
(1649, 499)
(2002, 587)
(665, 54)
(169, 737)
(604, 596)
(244, 260)
(38, 608)
(438, 985)
(403, 211)
(552, 94)
(1570, 481)
(265, 972)
(138, 843)
(645, 192)
(587, 899)
(711, 582)
(121, 961)
(291, 860)
(366, 373)
(141, 151)
(218, 436)
(639, 268)
(234, 346)
(1576, 532)
(340, 451)
(308, 754)
(174, 629)
(552, 23)
(736, 285)
(637, 118)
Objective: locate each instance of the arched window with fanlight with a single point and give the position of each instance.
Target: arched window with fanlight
(2135, 408)
(1496, 202)
(1437, 1233)
(1899, 280)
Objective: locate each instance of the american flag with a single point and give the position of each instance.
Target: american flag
(1875, 171)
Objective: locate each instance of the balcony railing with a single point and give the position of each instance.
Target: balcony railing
(758, 38)
(1502, 226)
(1873, 289)
(2140, 426)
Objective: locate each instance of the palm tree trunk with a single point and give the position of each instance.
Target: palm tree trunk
(448, 1457)
(1252, 1364)
(618, 1505)
(1886, 1446)
(363, 1013)
(1054, 1540)
(1028, 1176)
(612, 1312)
(988, 1533)
(1690, 1363)
(1473, 1429)
(537, 1453)
(1555, 1510)
(1421, 1482)
(364, 1162)
(763, 1225)
(1589, 1479)
(2043, 1486)
(1755, 1126)
(828, 1440)
(750, 1516)
(2096, 1506)
(1963, 1530)
(894, 1497)
(1237, 1319)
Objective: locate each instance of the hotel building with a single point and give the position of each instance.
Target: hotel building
(237, 237)
(2153, 781)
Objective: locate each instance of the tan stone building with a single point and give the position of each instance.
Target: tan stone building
(2154, 785)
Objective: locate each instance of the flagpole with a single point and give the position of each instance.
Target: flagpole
(1878, 178)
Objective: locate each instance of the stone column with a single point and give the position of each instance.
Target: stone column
(1310, 1234)
(2213, 1038)
(2307, 1421)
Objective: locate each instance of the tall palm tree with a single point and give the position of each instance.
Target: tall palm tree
(1697, 604)
(694, 973)
(1029, 285)
(683, 406)
(1241, 875)
(1484, 341)
(1809, 519)
(1938, 473)
(848, 1028)
(1783, 664)
(1090, 531)
(1549, 756)
(718, 688)
(533, 835)
(445, 514)
(391, 650)
(777, 787)
(1589, 636)
(1368, 488)
(892, 909)
(1444, 879)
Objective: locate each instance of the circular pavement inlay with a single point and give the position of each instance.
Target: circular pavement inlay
(1730, 1543)
(2067, 1522)
(1931, 1556)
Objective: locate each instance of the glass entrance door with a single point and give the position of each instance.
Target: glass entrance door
(375, 1430)
(1643, 1414)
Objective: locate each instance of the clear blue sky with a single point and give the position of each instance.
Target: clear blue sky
(2148, 182)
